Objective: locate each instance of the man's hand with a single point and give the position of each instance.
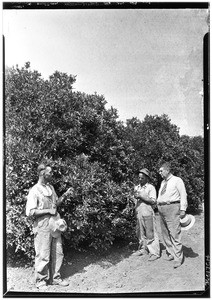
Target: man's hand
(141, 194)
(182, 214)
(53, 211)
(69, 191)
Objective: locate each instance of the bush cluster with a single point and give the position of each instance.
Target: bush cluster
(89, 150)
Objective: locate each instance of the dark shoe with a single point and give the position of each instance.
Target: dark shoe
(177, 264)
(153, 257)
(60, 282)
(169, 257)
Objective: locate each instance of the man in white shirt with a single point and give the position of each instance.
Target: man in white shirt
(172, 204)
(42, 202)
(145, 198)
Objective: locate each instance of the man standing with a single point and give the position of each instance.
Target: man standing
(172, 204)
(42, 203)
(145, 198)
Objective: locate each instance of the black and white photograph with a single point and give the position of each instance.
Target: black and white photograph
(106, 149)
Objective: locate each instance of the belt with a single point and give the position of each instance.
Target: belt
(168, 203)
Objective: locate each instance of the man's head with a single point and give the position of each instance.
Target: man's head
(45, 172)
(165, 170)
(144, 176)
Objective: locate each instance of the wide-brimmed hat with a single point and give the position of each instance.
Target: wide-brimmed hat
(57, 225)
(146, 172)
(187, 222)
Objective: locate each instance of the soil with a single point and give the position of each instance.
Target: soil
(118, 271)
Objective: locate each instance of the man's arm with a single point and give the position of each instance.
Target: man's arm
(183, 195)
(149, 199)
(42, 212)
(61, 199)
(137, 200)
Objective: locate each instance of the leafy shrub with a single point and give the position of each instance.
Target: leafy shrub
(157, 140)
(98, 207)
(91, 151)
(97, 213)
(47, 120)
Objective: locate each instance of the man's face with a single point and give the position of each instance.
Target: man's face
(163, 172)
(48, 174)
(142, 179)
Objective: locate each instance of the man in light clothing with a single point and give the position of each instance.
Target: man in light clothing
(145, 198)
(42, 203)
(172, 204)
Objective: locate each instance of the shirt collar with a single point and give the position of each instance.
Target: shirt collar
(170, 176)
(43, 184)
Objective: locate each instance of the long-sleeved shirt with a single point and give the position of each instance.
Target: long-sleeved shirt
(175, 191)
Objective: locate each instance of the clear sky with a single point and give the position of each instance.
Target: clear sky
(142, 61)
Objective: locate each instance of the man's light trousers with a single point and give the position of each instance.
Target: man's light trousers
(48, 254)
(171, 229)
(147, 233)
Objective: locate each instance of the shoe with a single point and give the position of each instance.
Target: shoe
(153, 257)
(139, 253)
(60, 282)
(177, 264)
(169, 257)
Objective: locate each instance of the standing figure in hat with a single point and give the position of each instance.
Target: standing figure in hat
(145, 199)
(172, 205)
(42, 203)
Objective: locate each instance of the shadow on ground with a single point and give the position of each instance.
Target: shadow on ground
(19, 261)
(76, 262)
(188, 252)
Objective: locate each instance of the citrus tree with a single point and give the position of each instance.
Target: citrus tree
(90, 150)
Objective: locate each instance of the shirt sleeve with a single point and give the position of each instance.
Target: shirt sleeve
(55, 197)
(32, 202)
(183, 195)
(152, 193)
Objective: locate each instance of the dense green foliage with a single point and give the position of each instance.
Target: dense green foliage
(156, 140)
(91, 151)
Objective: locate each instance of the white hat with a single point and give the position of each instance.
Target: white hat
(187, 222)
(57, 225)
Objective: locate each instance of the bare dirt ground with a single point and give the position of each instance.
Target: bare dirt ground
(119, 271)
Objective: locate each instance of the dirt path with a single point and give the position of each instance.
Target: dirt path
(120, 272)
